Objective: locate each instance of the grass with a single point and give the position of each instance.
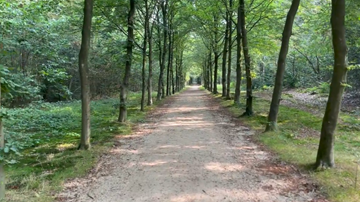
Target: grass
(297, 141)
(46, 137)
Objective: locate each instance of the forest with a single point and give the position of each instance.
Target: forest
(78, 74)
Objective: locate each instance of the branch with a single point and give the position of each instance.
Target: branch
(118, 26)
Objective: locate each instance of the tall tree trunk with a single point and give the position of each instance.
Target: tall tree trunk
(238, 58)
(216, 56)
(84, 77)
(2, 146)
(182, 74)
(159, 91)
(164, 7)
(276, 97)
(216, 67)
(171, 58)
(223, 80)
(249, 97)
(143, 75)
(177, 72)
(168, 83)
(150, 31)
(325, 155)
(210, 71)
(228, 96)
(129, 51)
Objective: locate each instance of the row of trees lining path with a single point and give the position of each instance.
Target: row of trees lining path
(325, 156)
(158, 45)
(174, 83)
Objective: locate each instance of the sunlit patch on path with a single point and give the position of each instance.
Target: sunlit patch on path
(190, 152)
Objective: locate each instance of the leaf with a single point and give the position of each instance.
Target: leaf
(6, 149)
(12, 161)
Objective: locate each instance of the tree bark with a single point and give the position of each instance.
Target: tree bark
(168, 76)
(164, 6)
(238, 59)
(249, 97)
(325, 155)
(159, 91)
(150, 31)
(210, 72)
(275, 101)
(216, 67)
(216, 56)
(84, 77)
(177, 71)
(143, 75)
(2, 146)
(223, 81)
(228, 96)
(129, 54)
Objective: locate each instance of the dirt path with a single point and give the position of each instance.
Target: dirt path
(190, 151)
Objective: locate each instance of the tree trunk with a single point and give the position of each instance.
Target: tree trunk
(143, 75)
(224, 56)
(177, 72)
(228, 96)
(171, 58)
(150, 101)
(249, 97)
(2, 146)
(325, 155)
(238, 59)
(129, 51)
(164, 6)
(84, 77)
(210, 72)
(216, 67)
(168, 91)
(216, 57)
(159, 91)
(276, 97)
(182, 74)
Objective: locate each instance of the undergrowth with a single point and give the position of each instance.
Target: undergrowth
(297, 141)
(43, 139)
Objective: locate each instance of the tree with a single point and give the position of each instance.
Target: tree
(229, 50)
(150, 32)
(129, 55)
(249, 98)
(143, 75)
(83, 69)
(161, 91)
(225, 52)
(238, 58)
(325, 155)
(216, 54)
(276, 97)
(2, 146)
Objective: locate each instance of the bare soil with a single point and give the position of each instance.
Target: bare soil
(189, 150)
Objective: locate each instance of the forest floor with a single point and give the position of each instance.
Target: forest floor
(191, 149)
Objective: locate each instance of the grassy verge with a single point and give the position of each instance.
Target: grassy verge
(297, 141)
(46, 137)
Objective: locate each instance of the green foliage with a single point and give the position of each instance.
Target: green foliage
(297, 140)
(322, 88)
(54, 88)
(42, 140)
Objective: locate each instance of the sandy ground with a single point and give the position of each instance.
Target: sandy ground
(189, 150)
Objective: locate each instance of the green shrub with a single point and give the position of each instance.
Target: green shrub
(322, 88)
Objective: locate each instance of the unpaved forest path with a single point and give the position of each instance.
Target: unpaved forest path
(189, 150)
